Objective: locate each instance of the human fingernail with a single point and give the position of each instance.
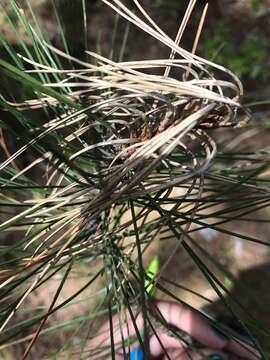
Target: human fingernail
(215, 356)
(220, 333)
(136, 354)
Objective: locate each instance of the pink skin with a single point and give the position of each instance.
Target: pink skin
(182, 318)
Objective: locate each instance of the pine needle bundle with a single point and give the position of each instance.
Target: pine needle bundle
(122, 155)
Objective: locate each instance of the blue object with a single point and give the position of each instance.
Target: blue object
(215, 356)
(136, 354)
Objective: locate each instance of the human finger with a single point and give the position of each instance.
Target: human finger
(242, 349)
(185, 354)
(161, 341)
(194, 324)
